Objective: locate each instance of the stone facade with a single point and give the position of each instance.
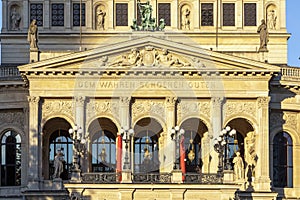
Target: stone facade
(198, 77)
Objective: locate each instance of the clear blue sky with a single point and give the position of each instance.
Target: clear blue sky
(293, 27)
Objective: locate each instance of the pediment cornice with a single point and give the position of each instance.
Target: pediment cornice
(149, 55)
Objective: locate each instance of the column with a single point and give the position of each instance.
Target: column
(80, 121)
(34, 142)
(169, 149)
(262, 178)
(125, 123)
(216, 122)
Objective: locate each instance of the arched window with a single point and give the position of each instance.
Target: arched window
(146, 152)
(11, 159)
(60, 141)
(235, 144)
(283, 160)
(104, 152)
(192, 143)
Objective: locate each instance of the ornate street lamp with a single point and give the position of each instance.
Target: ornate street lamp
(126, 134)
(79, 141)
(221, 146)
(176, 134)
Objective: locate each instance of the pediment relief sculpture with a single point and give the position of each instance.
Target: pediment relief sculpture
(149, 56)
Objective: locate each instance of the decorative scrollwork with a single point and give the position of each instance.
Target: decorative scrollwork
(203, 178)
(152, 177)
(99, 177)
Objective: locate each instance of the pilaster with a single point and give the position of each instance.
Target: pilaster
(25, 17)
(34, 143)
(110, 15)
(91, 16)
(46, 13)
(4, 15)
(169, 150)
(68, 14)
(217, 122)
(174, 18)
(262, 178)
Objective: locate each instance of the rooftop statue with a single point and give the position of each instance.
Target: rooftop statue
(148, 23)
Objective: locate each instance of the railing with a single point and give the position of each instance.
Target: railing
(152, 177)
(6, 72)
(203, 178)
(99, 177)
(290, 73)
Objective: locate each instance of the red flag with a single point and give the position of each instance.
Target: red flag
(119, 158)
(182, 157)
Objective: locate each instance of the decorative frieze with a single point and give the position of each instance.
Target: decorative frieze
(263, 102)
(12, 117)
(102, 107)
(186, 108)
(233, 108)
(148, 107)
(54, 107)
(278, 119)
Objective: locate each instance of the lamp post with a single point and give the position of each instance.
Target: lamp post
(79, 141)
(176, 134)
(126, 134)
(221, 146)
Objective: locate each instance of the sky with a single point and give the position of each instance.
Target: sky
(293, 27)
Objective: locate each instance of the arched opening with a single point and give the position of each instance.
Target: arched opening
(145, 147)
(244, 143)
(282, 160)
(103, 134)
(10, 159)
(56, 138)
(194, 131)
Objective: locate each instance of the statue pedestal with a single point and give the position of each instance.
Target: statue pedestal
(126, 176)
(177, 176)
(34, 55)
(76, 176)
(57, 184)
(228, 176)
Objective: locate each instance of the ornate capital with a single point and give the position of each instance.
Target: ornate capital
(263, 102)
(80, 100)
(171, 101)
(33, 99)
(125, 101)
(217, 101)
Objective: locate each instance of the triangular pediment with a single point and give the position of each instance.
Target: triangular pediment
(147, 53)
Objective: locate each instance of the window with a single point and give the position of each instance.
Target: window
(36, 12)
(121, 14)
(235, 144)
(192, 144)
(60, 141)
(76, 14)
(104, 152)
(57, 12)
(228, 14)
(11, 159)
(250, 14)
(164, 12)
(283, 160)
(207, 14)
(146, 152)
